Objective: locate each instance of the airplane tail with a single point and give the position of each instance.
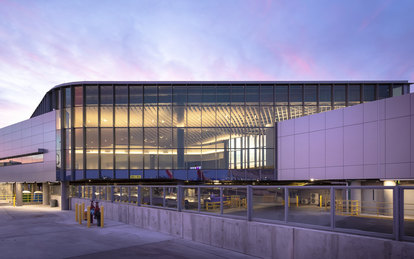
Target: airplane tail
(170, 175)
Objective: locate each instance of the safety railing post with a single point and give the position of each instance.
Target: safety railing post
(221, 200)
(163, 198)
(76, 212)
(112, 193)
(398, 212)
(150, 189)
(332, 208)
(179, 198)
(198, 199)
(88, 216)
(102, 216)
(249, 202)
(286, 204)
(139, 195)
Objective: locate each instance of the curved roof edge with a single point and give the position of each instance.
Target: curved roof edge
(231, 82)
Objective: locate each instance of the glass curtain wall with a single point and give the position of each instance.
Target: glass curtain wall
(190, 132)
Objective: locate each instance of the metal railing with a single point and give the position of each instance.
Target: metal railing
(379, 211)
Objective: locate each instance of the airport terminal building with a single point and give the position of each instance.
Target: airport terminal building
(131, 132)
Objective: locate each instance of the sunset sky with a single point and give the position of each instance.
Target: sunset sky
(45, 43)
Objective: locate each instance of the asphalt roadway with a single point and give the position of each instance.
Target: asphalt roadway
(43, 232)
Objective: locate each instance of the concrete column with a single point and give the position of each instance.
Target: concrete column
(64, 199)
(19, 194)
(46, 193)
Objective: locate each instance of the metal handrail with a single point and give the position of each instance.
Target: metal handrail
(134, 195)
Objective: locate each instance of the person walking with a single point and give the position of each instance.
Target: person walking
(92, 211)
(98, 214)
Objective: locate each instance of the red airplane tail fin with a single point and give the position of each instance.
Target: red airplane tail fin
(170, 175)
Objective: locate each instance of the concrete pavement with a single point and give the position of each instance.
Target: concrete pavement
(44, 232)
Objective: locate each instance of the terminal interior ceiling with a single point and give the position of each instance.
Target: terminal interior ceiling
(224, 131)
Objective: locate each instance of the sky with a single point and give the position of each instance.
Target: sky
(46, 43)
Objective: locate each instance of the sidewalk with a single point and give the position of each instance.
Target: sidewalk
(44, 232)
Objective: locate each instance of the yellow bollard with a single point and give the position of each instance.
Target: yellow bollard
(102, 217)
(14, 201)
(88, 216)
(83, 211)
(80, 214)
(288, 201)
(320, 201)
(76, 212)
(297, 201)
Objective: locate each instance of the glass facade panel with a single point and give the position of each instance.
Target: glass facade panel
(266, 94)
(107, 116)
(135, 95)
(135, 116)
(121, 95)
(78, 122)
(121, 116)
(223, 116)
(91, 138)
(209, 95)
(223, 94)
(121, 159)
(67, 118)
(91, 95)
(121, 138)
(384, 91)
(339, 95)
(325, 93)
(193, 116)
(237, 94)
(194, 93)
(92, 159)
(150, 116)
(78, 159)
(136, 159)
(107, 137)
(310, 94)
(224, 131)
(397, 90)
(91, 119)
(165, 94)
(369, 93)
(136, 137)
(150, 138)
(208, 116)
(165, 116)
(67, 97)
(295, 94)
(150, 94)
(179, 94)
(281, 94)
(252, 94)
(165, 138)
(107, 159)
(354, 94)
(79, 138)
(296, 112)
(78, 96)
(107, 97)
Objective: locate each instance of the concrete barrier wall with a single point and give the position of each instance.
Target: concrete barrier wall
(255, 238)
